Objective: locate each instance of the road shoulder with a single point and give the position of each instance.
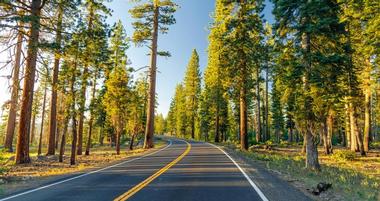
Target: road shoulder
(272, 185)
(15, 187)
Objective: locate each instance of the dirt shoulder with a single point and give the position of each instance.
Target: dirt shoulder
(47, 169)
(357, 179)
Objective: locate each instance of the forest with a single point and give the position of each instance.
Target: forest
(85, 92)
(310, 80)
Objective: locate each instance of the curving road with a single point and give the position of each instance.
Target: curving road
(180, 171)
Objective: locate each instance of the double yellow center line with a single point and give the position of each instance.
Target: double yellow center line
(144, 183)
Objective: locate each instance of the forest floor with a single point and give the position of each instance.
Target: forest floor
(352, 178)
(44, 168)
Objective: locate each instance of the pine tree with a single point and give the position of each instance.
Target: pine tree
(215, 90)
(95, 17)
(277, 114)
(65, 8)
(22, 149)
(317, 32)
(152, 17)
(102, 59)
(192, 85)
(160, 124)
(116, 100)
(11, 122)
(180, 111)
(242, 47)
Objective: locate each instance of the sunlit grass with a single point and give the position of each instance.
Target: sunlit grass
(49, 166)
(353, 178)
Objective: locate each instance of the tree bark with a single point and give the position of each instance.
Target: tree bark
(22, 149)
(330, 128)
(324, 136)
(243, 107)
(267, 131)
(73, 114)
(118, 135)
(74, 139)
(258, 128)
(367, 107)
(42, 121)
(243, 119)
(149, 131)
(312, 161)
(101, 136)
(33, 129)
(217, 138)
(53, 103)
(132, 141)
(11, 123)
(290, 134)
(63, 139)
(355, 130)
(347, 128)
(81, 110)
(193, 125)
(90, 123)
(311, 151)
(304, 143)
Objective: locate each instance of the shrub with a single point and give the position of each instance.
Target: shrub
(269, 143)
(343, 155)
(284, 143)
(375, 145)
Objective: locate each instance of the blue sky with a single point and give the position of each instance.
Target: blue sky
(191, 31)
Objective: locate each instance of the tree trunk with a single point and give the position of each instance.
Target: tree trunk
(330, 128)
(258, 128)
(132, 141)
(297, 136)
(149, 131)
(63, 139)
(57, 137)
(311, 151)
(33, 129)
(74, 139)
(53, 103)
(267, 132)
(277, 134)
(11, 123)
(347, 128)
(311, 148)
(367, 107)
(22, 149)
(193, 126)
(290, 134)
(90, 123)
(73, 114)
(243, 114)
(355, 130)
(101, 136)
(324, 136)
(118, 135)
(304, 143)
(42, 121)
(81, 110)
(217, 124)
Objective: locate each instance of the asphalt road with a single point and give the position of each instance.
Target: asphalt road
(181, 171)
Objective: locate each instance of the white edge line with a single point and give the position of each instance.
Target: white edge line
(261, 194)
(82, 175)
